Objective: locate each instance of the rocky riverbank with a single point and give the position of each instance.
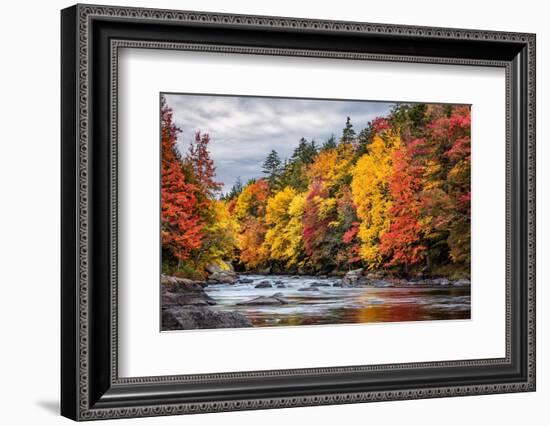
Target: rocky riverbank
(356, 278)
(359, 278)
(186, 306)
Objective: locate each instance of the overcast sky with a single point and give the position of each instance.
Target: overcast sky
(243, 130)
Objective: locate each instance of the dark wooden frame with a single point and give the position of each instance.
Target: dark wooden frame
(91, 37)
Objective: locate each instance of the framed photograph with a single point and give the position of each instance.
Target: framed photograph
(263, 212)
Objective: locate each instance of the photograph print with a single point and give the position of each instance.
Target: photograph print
(301, 212)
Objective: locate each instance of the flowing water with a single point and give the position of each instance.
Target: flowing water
(339, 305)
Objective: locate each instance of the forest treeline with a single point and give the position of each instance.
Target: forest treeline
(394, 197)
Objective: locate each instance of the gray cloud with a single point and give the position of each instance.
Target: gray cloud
(243, 130)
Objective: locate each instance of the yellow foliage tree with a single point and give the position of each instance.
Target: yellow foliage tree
(221, 236)
(283, 240)
(249, 210)
(294, 230)
(370, 193)
(332, 165)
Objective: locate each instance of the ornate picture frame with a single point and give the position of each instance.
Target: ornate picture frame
(91, 37)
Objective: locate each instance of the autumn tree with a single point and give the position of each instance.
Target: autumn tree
(347, 229)
(319, 214)
(447, 176)
(180, 224)
(402, 244)
(283, 239)
(370, 190)
(198, 157)
(220, 241)
(395, 196)
(250, 210)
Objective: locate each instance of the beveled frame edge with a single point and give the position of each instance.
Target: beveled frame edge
(75, 304)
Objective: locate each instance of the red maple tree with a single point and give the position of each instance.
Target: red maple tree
(180, 225)
(402, 243)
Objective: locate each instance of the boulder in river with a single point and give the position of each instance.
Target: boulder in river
(319, 284)
(185, 299)
(352, 277)
(201, 317)
(275, 299)
(281, 286)
(223, 277)
(375, 275)
(173, 283)
(244, 280)
(221, 267)
(264, 284)
(382, 284)
(183, 292)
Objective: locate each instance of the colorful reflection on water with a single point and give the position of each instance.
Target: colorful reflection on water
(337, 305)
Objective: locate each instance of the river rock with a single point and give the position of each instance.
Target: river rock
(188, 298)
(221, 267)
(183, 292)
(319, 284)
(264, 284)
(246, 280)
(176, 284)
(224, 277)
(201, 317)
(352, 277)
(275, 299)
(279, 282)
(281, 286)
(375, 275)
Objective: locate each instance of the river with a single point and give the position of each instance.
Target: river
(339, 305)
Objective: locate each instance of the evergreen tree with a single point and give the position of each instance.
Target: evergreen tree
(272, 168)
(348, 134)
(293, 174)
(235, 190)
(329, 144)
(305, 152)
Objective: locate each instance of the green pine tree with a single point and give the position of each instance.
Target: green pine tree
(348, 134)
(272, 168)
